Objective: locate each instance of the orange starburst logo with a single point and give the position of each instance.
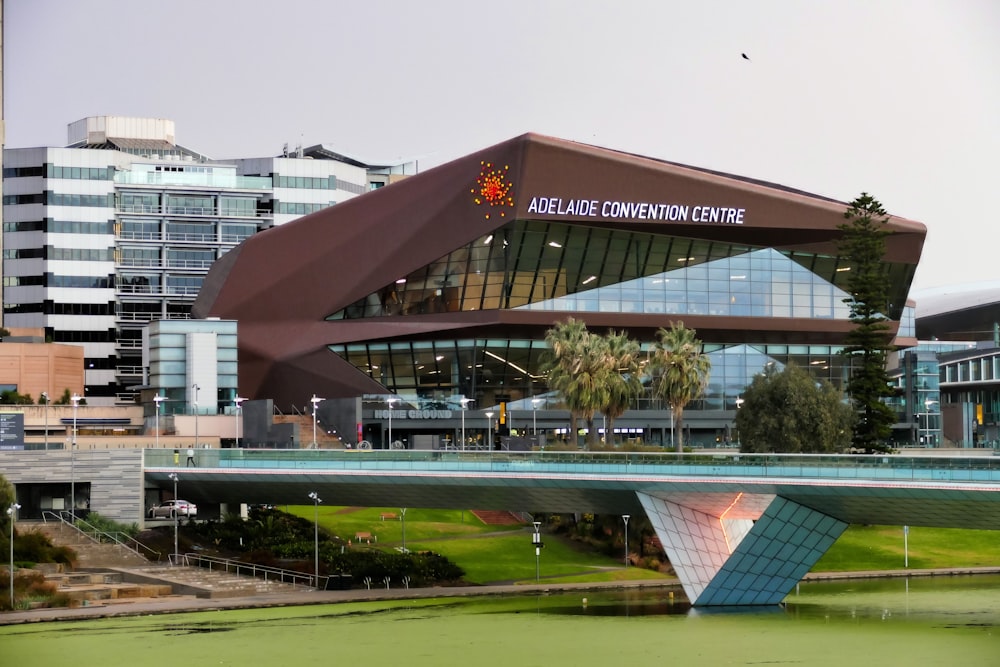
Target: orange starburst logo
(493, 189)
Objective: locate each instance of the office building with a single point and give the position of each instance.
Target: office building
(119, 228)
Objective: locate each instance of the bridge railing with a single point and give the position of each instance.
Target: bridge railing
(876, 467)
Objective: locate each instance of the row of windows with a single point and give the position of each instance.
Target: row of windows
(21, 172)
(69, 199)
(60, 226)
(53, 280)
(82, 173)
(16, 281)
(81, 254)
(487, 369)
(70, 254)
(299, 208)
(13, 200)
(306, 182)
(69, 336)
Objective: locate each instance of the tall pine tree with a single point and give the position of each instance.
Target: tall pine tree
(869, 343)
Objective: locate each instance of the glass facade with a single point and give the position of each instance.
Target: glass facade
(531, 265)
(558, 267)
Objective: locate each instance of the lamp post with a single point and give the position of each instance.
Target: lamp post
(489, 431)
(173, 476)
(196, 389)
(315, 400)
(536, 540)
(534, 415)
(671, 427)
(626, 517)
(157, 401)
(238, 402)
(12, 513)
(316, 501)
(739, 404)
(402, 517)
(389, 401)
(45, 395)
(465, 404)
(75, 398)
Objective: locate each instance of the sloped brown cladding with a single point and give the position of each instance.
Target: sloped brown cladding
(281, 284)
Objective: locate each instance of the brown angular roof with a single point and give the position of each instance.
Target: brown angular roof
(282, 283)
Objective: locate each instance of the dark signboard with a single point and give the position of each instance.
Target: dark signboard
(11, 430)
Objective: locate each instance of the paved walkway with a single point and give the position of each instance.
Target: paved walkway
(168, 605)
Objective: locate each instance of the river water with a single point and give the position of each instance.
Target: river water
(916, 622)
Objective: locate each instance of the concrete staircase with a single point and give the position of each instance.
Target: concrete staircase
(110, 574)
(90, 554)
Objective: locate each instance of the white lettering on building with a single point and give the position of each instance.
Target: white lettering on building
(633, 210)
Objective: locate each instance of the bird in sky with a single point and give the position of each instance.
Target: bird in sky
(745, 56)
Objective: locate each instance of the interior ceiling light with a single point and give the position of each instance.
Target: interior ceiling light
(685, 259)
(439, 357)
(555, 245)
(401, 281)
(843, 268)
(512, 365)
(489, 239)
(590, 280)
(737, 277)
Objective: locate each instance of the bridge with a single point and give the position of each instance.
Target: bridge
(739, 529)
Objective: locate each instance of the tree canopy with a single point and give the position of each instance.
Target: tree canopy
(679, 371)
(789, 411)
(870, 341)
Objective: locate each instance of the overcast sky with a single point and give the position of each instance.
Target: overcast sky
(900, 99)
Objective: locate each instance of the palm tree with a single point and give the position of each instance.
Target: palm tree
(566, 341)
(622, 376)
(679, 371)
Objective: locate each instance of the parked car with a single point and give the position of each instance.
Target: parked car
(171, 508)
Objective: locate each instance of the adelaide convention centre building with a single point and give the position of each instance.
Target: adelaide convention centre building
(397, 305)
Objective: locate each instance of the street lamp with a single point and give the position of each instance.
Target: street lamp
(157, 400)
(195, 405)
(489, 431)
(315, 400)
(534, 415)
(389, 401)
(72, 460)
(316, 501)
(45, 395)
(739, 404)
(402, 517)
(173, 476)
(238, 401)
(12, 512)
(465, 404)
(536, 539)
(626, 517)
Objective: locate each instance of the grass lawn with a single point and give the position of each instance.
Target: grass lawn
(491, 554)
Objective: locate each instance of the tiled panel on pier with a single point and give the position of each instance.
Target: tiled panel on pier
(738, 561)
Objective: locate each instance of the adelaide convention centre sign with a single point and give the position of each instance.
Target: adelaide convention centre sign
(632, 210)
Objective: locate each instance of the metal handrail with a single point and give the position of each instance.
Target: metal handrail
(252, 569)
(99, 536)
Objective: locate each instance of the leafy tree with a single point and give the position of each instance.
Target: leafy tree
(622, 377)
(870, 341)
(789, 411)
(679, 371)
(10, 397)
(569, 363)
